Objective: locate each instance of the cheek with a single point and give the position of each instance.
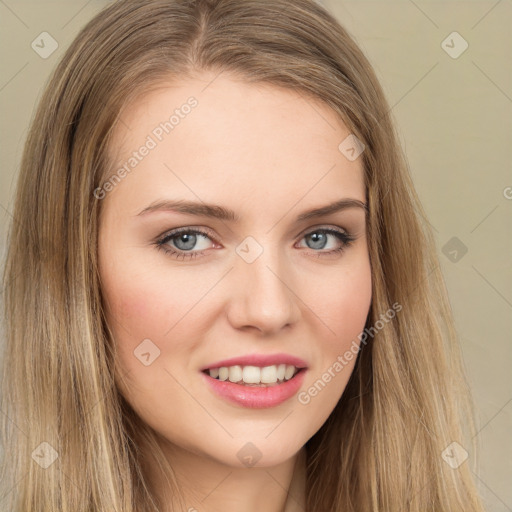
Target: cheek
(133, 304)
(347, 303)
(142, 314)
(142, 307)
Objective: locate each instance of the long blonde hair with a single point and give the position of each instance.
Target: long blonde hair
(407, 399)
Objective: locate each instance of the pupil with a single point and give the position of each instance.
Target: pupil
(187, 241)
(319, 240)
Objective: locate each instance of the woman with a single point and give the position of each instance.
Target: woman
(221, 291)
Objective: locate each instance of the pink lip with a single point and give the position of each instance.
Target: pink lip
(259, 360)
(256, 397)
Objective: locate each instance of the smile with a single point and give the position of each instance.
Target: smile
(272, 375)
(255, 395)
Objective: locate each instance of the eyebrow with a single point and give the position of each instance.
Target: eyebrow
(220, 212)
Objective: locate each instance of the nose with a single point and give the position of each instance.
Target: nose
(263, 294)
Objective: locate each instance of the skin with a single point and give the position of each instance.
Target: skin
(269, 154)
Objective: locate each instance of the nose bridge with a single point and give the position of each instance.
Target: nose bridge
(264, 299)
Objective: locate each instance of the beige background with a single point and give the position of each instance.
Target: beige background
(455, 120)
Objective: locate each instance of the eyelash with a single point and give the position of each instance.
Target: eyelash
(346, 239)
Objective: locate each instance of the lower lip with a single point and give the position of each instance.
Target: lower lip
(256, 397)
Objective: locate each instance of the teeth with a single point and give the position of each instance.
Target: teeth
(290, 370)
(223, 373)
(281, 370)
(251, 375)
(235, 373)
(268, 375)
(254, 375)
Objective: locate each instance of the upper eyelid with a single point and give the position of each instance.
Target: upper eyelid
(199, 229)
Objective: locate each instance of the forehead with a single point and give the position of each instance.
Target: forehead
(220, 139)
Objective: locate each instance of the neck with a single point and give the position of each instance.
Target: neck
(207, 485)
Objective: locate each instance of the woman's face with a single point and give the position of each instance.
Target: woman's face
(270, 282)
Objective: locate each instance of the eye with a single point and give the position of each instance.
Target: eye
(184, 239)
(319, 238)
(182, 242)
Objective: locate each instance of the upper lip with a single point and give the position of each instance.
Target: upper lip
(259, 360)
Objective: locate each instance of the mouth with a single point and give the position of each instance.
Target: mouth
(255, 376)
(247, 386)
(255, 380)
